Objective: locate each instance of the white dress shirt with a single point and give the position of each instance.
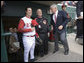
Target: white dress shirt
(56, 13)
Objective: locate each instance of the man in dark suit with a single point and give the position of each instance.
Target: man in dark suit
(58, 23)
(64, 10)
(79, 22)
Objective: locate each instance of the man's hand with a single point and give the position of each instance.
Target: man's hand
(48, 34)
(80, 17)
(60, 27)
(39, 26)
(44, 22)
(33, 28)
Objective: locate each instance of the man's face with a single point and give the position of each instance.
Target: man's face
(15, 29)
(11, 30)
(29, 12)
(39, 12)
(64, 8)
(53, 10)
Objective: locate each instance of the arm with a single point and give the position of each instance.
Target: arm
(34, 22)
(21, 27)
(51, 22)
(69, 17)
(78, 9)
(51, 19)
(47, 25)
(66, 19)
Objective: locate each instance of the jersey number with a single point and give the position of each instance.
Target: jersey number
(28, 24)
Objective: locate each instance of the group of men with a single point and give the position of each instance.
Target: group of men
(59, 20)
(30, 28)
(40, 29)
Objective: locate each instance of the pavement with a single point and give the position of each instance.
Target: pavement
(75, 54)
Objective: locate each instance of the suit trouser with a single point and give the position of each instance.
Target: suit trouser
(29, 45)
(63, 39)
(79, 24)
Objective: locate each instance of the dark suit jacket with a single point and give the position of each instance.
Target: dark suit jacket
(62, 19)
(79, 7)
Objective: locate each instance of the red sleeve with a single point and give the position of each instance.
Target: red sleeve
(21, 27)
(34, 22)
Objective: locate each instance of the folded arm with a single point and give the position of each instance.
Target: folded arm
(21, 27)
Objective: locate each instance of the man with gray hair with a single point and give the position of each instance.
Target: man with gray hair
(58, 24)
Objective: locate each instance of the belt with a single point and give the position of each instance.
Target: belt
(31, 36)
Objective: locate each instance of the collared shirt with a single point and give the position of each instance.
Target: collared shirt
(56, 13)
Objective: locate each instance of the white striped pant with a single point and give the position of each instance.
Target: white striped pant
(29, 45)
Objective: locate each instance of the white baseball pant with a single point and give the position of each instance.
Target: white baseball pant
(29, 45)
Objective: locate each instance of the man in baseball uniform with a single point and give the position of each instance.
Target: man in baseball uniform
(28, 34)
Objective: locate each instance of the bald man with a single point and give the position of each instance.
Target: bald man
(42, 30)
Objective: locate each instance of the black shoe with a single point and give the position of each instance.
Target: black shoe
(32, 60)
(66, 52)
(55, 51)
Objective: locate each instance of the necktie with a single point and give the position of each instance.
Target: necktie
(55, 19)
